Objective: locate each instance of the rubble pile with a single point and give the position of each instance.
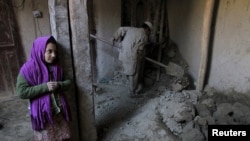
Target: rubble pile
(172, 116)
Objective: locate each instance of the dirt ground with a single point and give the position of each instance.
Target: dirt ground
(15, 120)
(161, 114)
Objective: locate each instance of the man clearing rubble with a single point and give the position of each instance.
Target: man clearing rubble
(132, 54)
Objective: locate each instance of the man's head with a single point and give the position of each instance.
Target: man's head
(147, 26)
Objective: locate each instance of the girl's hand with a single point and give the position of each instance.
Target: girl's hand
(52, 86)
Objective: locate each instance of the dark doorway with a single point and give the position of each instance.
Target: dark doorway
(9, 50)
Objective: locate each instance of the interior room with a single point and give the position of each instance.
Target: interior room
(195, 70)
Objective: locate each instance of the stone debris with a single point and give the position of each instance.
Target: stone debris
(170, 115)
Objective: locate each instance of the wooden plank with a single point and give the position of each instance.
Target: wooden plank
(160, 38)
(156, 21)
(208, 13)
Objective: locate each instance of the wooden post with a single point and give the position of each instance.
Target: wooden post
(156, 21)
(79, 25)
(208, 15)
(160, 38)
(59, 23)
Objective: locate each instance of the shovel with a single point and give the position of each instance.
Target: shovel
(171, 69)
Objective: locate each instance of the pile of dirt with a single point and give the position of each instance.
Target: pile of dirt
(163, 114)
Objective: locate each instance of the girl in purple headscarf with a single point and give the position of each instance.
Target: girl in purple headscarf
(41, 81)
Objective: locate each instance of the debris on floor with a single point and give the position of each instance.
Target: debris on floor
(165, 113)
(14, 117)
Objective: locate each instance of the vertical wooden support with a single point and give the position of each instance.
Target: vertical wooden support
(208, 13)
(59, 23)
(79, 24)
(161, 38)
(133, 10)
(156, 21)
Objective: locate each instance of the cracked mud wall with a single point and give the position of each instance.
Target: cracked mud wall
(185, 27)
(229, 48)
(107, 18)
(28, 26)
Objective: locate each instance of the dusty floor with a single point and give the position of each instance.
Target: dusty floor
(15, 120)
(161, 114)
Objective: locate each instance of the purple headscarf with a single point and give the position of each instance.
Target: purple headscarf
(36, 72)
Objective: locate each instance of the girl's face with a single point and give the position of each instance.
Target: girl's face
(50, 53)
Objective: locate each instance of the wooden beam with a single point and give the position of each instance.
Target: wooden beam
(79, 25)
(208, 15)
(163, 11)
